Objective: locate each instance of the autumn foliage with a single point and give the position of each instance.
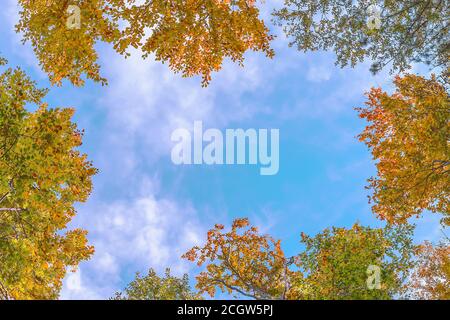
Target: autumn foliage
(65, 53)
(333, 264)
(42, 176)
(193, 37)
(154, 287)
(431, 276)
(241, 261)
(408, 135)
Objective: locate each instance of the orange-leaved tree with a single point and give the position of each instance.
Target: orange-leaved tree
(408, 134)
(334, 264)
(193, 37)
(431, 276)
(42, 176)
(241, 261)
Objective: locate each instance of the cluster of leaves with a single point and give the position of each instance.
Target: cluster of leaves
(332, 266)
(334, 263)
(410, 31)
(153, 287)
(431, 276)
(42, 175)
(241, 261)
(193, 36)
(65, 53)
(409, 134)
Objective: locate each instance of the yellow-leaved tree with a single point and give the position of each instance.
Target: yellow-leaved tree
(192, 36)
(408, 134)
(241, 261)
(430, 278)
(333, 265)
(42, 176)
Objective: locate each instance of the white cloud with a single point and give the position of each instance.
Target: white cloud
(131, 236)
(319, 73)
(145, 101)
(75, 289)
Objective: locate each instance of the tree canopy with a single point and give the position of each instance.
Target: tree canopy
(153, 287)
(241, 261)
(333, 265)
(193, 37)
(430, 278)
(42, 176)
(408, 135)
(337, 263)
(405, 31)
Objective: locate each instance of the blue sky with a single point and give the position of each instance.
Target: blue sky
(145, 211)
